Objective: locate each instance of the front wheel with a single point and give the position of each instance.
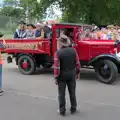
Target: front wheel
(106, 71)
(26, 65)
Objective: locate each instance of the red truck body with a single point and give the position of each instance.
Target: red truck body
(92, 52)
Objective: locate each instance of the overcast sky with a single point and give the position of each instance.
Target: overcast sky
(1, 1)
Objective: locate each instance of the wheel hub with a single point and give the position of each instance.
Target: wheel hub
(25, 64)
(105, 71)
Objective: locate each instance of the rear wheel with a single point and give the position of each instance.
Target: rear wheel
(26, 65)
(106, 71)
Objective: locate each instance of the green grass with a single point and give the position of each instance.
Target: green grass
(8, 34)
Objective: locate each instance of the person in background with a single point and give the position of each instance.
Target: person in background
(47, 30)
(2, 46)
(88, 36)
(103, 35)
(21, 32)
(94, 34)
(110, 32)
(30, 32)
(66, 69)
(98, 33)
(115, 34)
(39, 34)
(118, 34)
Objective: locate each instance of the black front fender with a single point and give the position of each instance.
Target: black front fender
(111, 57)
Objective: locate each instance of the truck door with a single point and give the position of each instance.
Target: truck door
(81, 45)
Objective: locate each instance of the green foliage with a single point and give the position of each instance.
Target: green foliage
(85, 11)
(12, 12)
(89, 11)
(35, 9)
(11, 27)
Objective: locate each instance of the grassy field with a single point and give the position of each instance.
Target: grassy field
(8, 36)
(7, 33)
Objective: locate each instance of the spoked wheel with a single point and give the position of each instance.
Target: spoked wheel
(106, 71)
(26, 65)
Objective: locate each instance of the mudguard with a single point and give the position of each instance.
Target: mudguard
(111, 57)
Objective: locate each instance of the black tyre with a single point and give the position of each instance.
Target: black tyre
(47, 65)
(106, 71)
(30, 67)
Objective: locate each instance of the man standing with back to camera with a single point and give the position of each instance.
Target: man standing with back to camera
(66, 69)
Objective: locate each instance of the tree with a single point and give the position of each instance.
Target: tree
(12, 12)
(31, 7)
(11, 2)
(86, 11)
(89, 11)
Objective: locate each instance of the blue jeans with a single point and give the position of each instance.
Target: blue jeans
(0, 76)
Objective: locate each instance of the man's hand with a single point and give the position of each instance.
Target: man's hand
(78, 76)
(4, 42)
(56, 82)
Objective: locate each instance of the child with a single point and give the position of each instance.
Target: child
(1, 47)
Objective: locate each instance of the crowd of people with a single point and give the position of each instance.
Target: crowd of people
(30, 31)
(110, 32)
(43, 30)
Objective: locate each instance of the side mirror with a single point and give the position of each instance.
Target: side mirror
(117, 42)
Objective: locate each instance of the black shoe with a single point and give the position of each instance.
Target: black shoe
(62, 113)
(1, 93)
(73, 111)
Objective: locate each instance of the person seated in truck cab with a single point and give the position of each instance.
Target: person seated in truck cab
(21, 32)
(39, 34)
(69, 34)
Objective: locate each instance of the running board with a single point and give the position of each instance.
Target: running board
(88, 67)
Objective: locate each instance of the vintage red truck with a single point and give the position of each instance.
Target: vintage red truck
(102, 55)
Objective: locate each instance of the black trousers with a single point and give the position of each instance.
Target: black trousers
(71, 84)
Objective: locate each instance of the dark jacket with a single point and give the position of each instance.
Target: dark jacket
(67, 57)
(38, 33)
(19, 34)
(47, 31)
